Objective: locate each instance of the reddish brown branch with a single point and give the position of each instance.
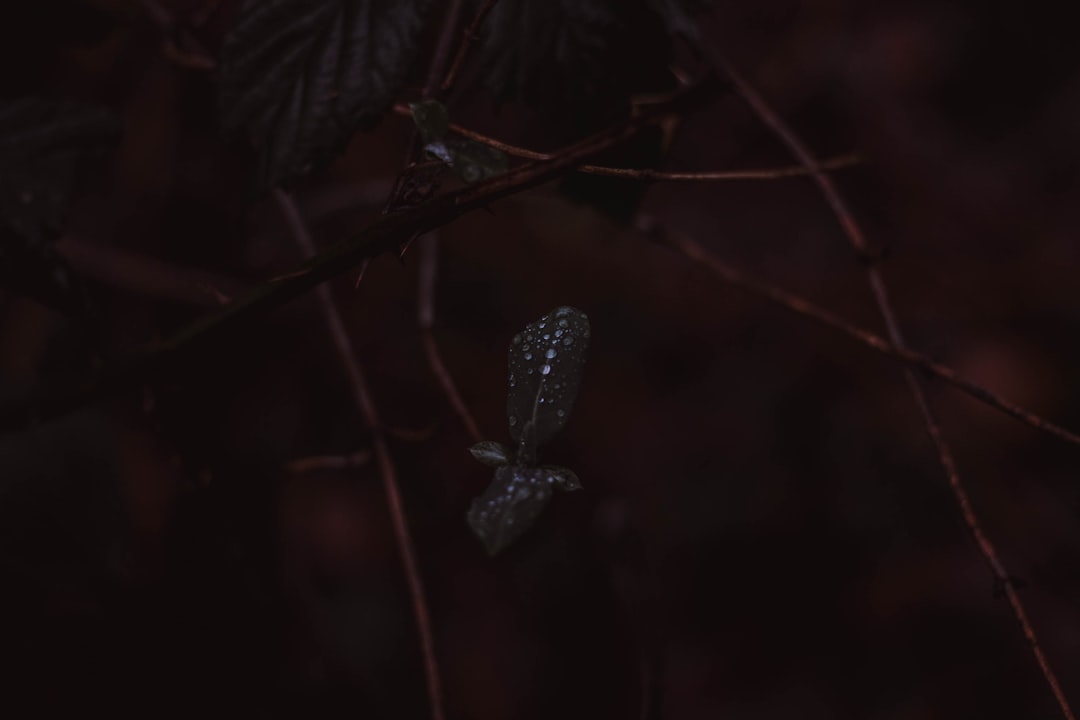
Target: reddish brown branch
(877, 285)
(647, 174)
(146, 276)
(471, 36)
(429, 258)
(362, 397)
(329, 462)
(756, 286)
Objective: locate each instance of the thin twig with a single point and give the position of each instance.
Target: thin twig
(362, 397)
(148, 276)
(471, 36)
(801, 306)
(429, 257)
(429, 244)
(836, 163)
(329, 462)
(877, 284)
(383, 234)
(194, 56)
(442, 49)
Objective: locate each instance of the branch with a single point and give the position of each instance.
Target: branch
(429, 249)
(383, 234)
(329, 462)
(429, 257)
(800, 306)
(117, 268)
(471, 36)
(877, 285)
(648, 174)
(364, 403)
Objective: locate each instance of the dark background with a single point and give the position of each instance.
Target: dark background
(764, 531)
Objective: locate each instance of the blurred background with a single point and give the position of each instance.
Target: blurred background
(764, 530)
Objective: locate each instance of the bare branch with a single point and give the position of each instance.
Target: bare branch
(648, 174)
(364, 402)
(143, 275)
(429, 258)
(385, 233)
(756, 286)
(877, 285)
(329, 462)
(471, 36)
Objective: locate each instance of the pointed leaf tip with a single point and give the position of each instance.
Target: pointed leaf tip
(491, 453)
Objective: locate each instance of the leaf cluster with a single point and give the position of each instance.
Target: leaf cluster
(546, 361)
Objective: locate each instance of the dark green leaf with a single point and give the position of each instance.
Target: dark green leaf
(431, 120)
(491, 453)
(43, 143)
(546, 362)
(470, 160)
(578, 60)
(302, 75)
(510, 505)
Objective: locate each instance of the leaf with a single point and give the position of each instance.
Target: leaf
(578, 60)
(470, 160)
(562, 478)
(510, 505)
(545, 365)
(301, 76)
(43, 144)
(431, 119)
(491, 453)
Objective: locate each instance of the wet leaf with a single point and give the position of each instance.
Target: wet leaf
(510, 505)
(301, 76)
(471, 161)
(545, 365)
(491, 453)
(562, 478)
(431, 120)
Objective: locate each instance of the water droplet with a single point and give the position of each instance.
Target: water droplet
(545, 370)
(562, 312)
(549, 354)
(543, 325)
(525, 348)
(561, 413)
(530, 371)
(547, 336)
(564, 323)
(558, 333)
(551, 480)
(568, 341)
(517, 339)
(528, 356)
(513, 420)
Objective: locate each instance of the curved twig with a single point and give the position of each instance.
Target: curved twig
(877, 285)
(647, 174)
